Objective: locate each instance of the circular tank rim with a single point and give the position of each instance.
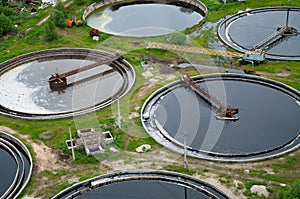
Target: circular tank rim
(140, 175)
(256, 10)
(172, 144)
(16, 141)
(97, 5)
(87, 52)
(10, 151)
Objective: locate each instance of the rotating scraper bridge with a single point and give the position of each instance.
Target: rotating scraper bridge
(234, 31)
(167, 112)
(59, 81)
(222, 110)
(257, 53)
(100, 73)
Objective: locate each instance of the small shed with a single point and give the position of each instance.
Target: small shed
(93, 142)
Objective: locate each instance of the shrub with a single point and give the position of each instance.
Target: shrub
(61, 7)
(58, 18)
(291, 192)
(7, 11)
(3, 2)
(50, 32)
(5, 25)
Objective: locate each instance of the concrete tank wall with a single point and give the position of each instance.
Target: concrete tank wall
(91, 8)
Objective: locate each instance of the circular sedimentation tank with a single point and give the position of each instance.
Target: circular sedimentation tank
(144, 18)
(15, 168)
(26, 92)
(267, 124)
(142, 184)
(245, 30)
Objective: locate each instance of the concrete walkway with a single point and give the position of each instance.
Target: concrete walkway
(43, 20)
(190, 49)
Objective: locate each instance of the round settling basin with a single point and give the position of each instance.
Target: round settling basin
(26, 92)
(15, 168)
(267, 125)
(243, 31)
(142, 184)
(143, 19)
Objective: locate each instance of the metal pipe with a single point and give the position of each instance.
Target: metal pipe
(73, 154)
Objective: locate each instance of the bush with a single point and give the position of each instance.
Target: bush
(50, 33)
(291, 192)
(61, 7)
(5, 25)
(3, 2)
(58, 18)
(7, 11)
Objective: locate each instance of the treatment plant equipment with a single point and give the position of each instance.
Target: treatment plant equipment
(257, 53)
(181, 112)
(223, 111)
(83, 80)
(59, 81)
(263, 33)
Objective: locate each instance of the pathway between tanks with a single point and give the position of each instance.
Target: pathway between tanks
(190, 49)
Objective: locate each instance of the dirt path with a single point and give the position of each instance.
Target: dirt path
(44, 156)
(191, 49)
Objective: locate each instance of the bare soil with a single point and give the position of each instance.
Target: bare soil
(45, 157)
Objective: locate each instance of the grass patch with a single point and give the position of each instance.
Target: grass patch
(12, 46)
(134, 143)
(248, 192)
(179, 169)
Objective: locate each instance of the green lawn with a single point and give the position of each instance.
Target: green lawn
(287, 72)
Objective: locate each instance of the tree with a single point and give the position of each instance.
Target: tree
(50, 33)
(3, 2)
(61, 7)
(58, 18)
(5, 25)
(292, 192)
(7, 11)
